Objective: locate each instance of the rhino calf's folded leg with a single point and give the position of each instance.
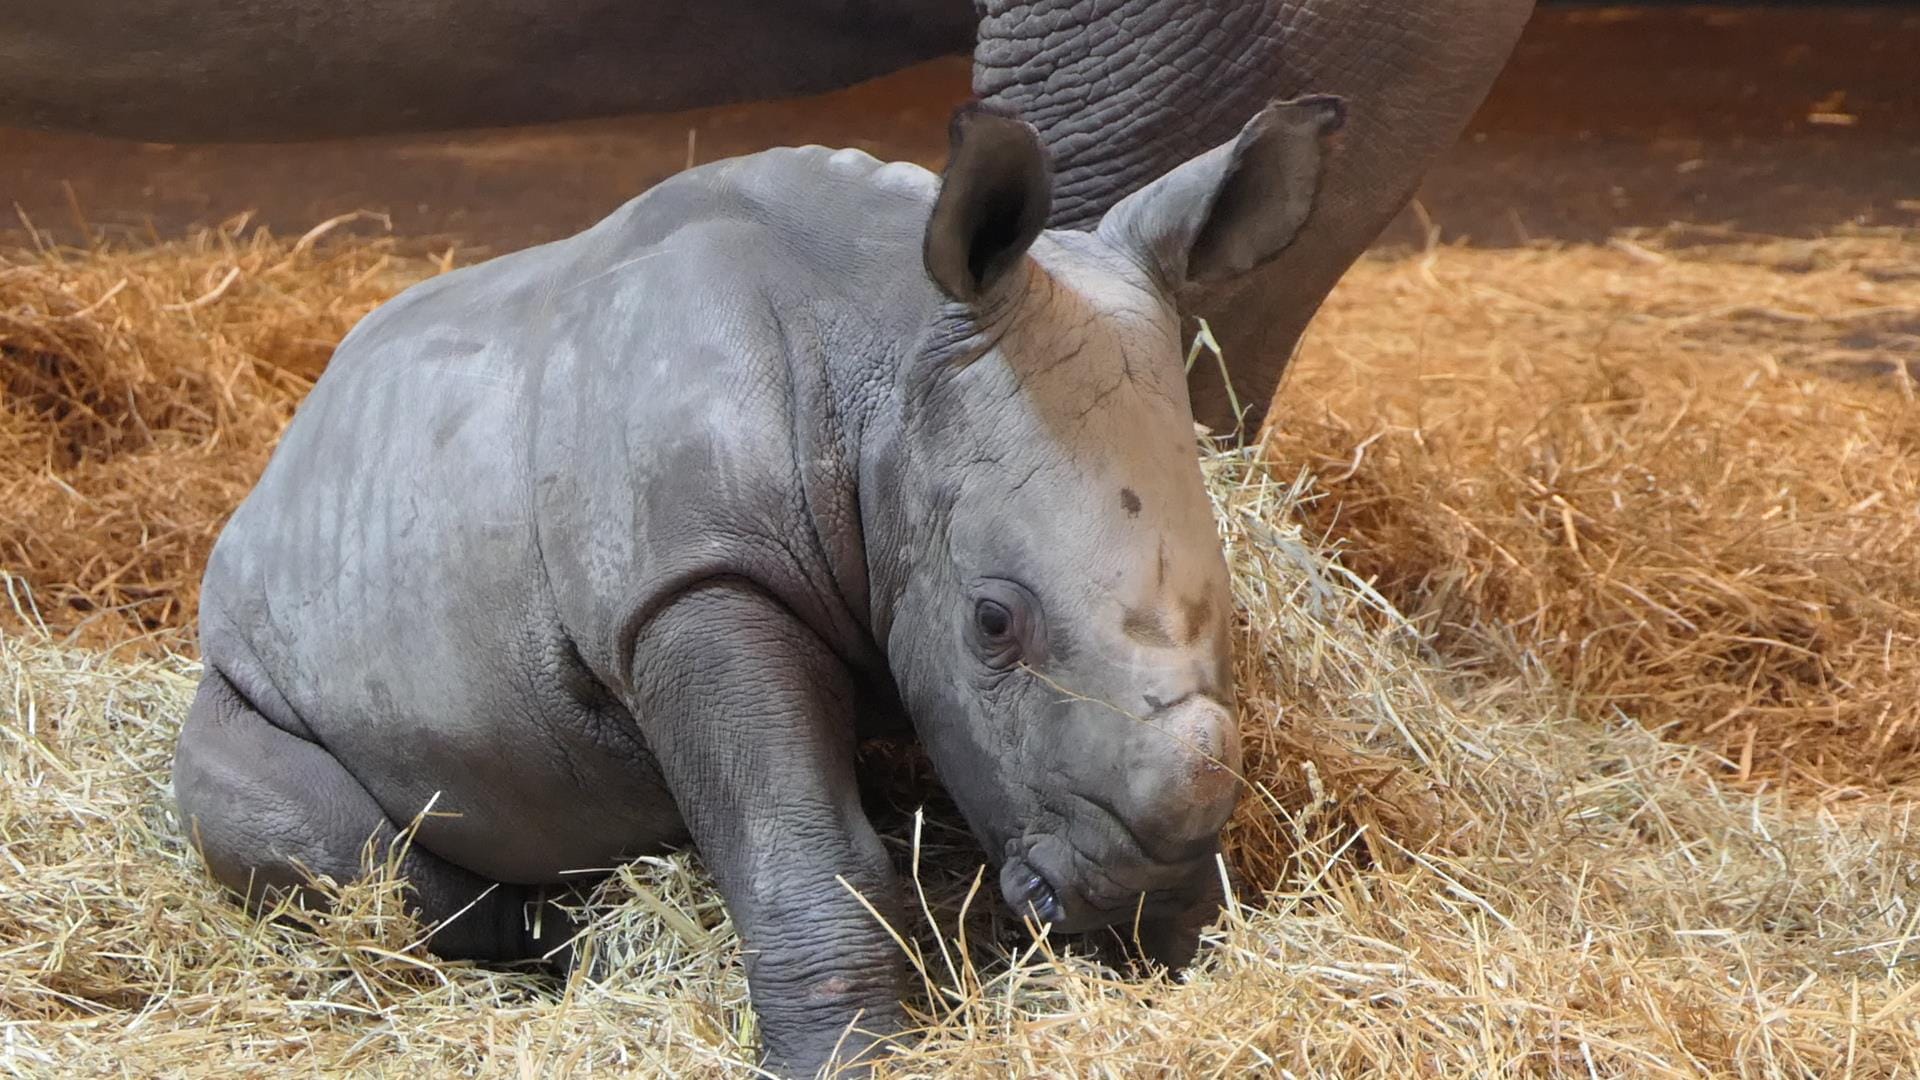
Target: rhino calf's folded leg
(751, 717)
(257, 799)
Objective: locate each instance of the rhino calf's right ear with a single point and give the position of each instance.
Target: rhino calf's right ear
(995, 195)
(1236, 206)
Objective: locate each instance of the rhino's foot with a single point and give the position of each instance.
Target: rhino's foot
(260, 802)
(839, 1055)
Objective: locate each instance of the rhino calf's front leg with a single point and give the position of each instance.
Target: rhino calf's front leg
(751, 717)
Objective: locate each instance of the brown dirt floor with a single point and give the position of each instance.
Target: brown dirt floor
(1607, 117)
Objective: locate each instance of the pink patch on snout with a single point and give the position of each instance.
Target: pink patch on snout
(1206, 729)
(1206, 741)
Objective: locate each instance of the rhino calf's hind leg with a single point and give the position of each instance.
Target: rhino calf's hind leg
(256, 800)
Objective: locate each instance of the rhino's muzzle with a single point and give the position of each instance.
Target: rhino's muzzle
(1074, 900)
(1185, 784)
(1148, 845)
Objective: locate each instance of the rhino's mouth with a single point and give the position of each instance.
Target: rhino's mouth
(1034, 887)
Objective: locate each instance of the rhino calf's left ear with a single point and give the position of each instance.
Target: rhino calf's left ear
(995, 195)
(1236, 206)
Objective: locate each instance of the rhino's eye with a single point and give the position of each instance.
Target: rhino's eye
(993, 619)
(1006, 627)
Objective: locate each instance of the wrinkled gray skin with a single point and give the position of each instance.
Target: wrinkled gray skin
(1120, 90)
(624, 541)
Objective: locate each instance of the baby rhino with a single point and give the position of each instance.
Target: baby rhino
(624, 542)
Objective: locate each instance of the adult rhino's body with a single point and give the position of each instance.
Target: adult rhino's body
(625, 541)
(1120, 90)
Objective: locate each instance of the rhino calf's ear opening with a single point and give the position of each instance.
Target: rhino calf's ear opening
(995, 195)
(1236, 206)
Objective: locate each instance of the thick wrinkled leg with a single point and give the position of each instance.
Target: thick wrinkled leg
(751, 718)
(256, 800)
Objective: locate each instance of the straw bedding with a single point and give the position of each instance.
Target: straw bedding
(1576, 643)
(1683, 479)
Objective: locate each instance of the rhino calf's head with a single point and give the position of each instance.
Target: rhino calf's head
(1055, 601)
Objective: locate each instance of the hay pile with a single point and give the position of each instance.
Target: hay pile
(1679, 471)
(141, 390)
(1685, 480)
(1441, 875)
(1573, 813)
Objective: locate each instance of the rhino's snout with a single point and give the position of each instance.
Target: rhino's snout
(1157, 834)
(1186, 781)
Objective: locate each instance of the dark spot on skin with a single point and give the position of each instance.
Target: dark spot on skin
(1145, 627)
(1199, 613)
(1131, 501)
(1162, 570)
(449, 427)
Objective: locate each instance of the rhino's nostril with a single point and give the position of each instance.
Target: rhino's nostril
(1029, 894)
(1043, 902)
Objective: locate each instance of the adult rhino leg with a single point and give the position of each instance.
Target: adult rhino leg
(751, 718)
(1123, 90)
(257, 800)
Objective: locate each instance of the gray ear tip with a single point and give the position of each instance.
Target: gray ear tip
(989, 117)
(1327, 111)
(995, 193)
(1333, 111)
